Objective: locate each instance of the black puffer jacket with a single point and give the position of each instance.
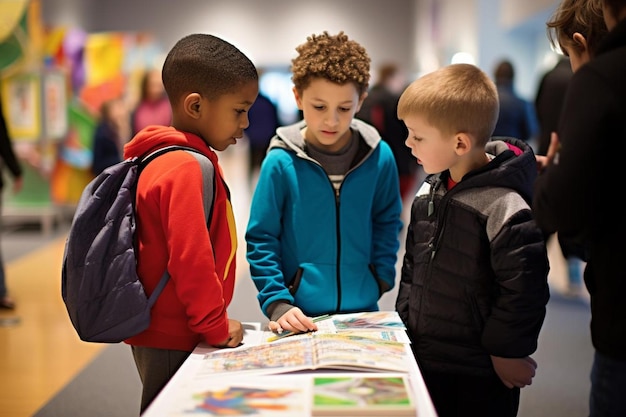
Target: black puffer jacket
(474, 277)
(577, 197)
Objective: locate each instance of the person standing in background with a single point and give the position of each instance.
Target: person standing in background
(574, 197)
(263, 117)
(153, 108)
(548, 105)
(112, 132)
(549, 101)
(516, 118)
(380, 110)
(9, 160)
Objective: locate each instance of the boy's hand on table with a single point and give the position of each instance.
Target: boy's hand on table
(235, 335)
(293, 320)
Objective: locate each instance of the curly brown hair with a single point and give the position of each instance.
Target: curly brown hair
(335, 58)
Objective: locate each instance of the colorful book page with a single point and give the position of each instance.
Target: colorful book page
(362, 396)
(257, 396)
(311, 351)
(373, 320)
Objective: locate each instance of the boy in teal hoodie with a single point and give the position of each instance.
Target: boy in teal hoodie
(324, 221)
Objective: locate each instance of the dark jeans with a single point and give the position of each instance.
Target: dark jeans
(156, 367)
(456, 395)
(608, 387)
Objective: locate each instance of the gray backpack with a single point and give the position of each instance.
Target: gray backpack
(103, 295)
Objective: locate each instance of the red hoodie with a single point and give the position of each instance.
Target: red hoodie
(172, 234)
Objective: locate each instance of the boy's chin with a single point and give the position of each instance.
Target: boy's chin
(223, 145)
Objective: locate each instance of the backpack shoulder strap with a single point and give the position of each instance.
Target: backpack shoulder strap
(208, 197)
(208, 174)
(208, 184)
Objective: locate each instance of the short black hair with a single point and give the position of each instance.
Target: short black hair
(205, 64)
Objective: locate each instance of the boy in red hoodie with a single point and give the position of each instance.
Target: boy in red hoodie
(211, 86)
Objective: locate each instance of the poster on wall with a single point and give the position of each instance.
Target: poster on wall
(55, 106)
(21, 99)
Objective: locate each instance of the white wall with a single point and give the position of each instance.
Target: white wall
(516, 12)
(267, 31)
(524, 42)
(421, 35)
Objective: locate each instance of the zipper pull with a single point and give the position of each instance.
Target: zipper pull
(431, 207)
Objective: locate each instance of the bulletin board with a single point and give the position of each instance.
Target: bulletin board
(21, 101)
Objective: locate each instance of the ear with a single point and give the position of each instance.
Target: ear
(462, 143)
(580, 41)
(192, 105)
(296, 95)
(360, 103)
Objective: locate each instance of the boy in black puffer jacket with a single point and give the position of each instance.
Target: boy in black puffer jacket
(473, 288)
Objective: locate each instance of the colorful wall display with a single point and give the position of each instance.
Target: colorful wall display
(53, 82)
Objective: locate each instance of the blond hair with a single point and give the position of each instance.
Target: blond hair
(456, 98)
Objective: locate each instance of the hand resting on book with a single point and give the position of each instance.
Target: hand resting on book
(293, 320)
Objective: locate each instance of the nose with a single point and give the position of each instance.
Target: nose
(332, 119)
(245, 121)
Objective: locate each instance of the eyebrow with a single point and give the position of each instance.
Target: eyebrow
(326, 102)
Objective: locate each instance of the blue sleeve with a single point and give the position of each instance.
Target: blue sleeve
(387, 223)
(263, 234)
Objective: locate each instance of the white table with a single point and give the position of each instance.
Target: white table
(173, 398)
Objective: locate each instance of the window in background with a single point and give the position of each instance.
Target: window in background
(276, 84)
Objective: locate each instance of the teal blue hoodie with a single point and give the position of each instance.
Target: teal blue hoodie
(317, 249)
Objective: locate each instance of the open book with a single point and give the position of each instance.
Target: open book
(310, 351)
(385, 324)
(372, 320)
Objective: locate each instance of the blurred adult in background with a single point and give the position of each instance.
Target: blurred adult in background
(263, 118)
(549, 101)
(153, 107)
(380, 110)
(548, 105)
(516, 117)
(9, 160)
(575, 194)
(112, 132)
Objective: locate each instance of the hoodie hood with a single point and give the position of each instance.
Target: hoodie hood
(155, 137)
(290, 137)
(514, 166)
